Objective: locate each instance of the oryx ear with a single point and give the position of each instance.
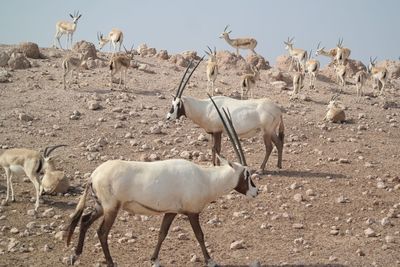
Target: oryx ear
(223, 160)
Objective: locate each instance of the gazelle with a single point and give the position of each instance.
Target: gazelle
(296, 54)
(340, 71)
(71, 64)
(115, 36)
(248, 116)
(66, 27)
(298, 83)
(168, 187)
(378, 74)
(312, 68)
(331, 53)
(242, 43)
(342, 53)
(335, 111)
(19, 161)
(212, 69)
(120, 64)
(360, 78)
(248, 81)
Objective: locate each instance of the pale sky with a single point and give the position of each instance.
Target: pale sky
(369, 28)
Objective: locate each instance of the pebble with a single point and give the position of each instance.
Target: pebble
(14, 230)
(183, 236)
(298, 197)
(237, 245)
(94, 105)
(369, 232)
(344, 161)
(310, 192)
(48, 213)
(359, 252)
(194, 258)
(389, 239)
(297, 226)
(342, 199)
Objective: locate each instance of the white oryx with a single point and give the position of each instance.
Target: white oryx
(20, 161)
(168, 187)
(115, 36)
(242, 43)
(248, 117)
(66, 27)
(296, 54)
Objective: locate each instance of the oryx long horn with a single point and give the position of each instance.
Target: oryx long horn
(183, 77)
(236, 137)
(49, 149)
(190, 75)
(227, 129)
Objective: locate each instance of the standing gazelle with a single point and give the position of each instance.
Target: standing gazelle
(71, 64)
(360, 78)
(296, 54)
(168, 187)
(115, 37)
(312, 68)
(340, 71)
(242, 43)
(248, 81)
(120, 64)
(342, 53)
(66, 27)
(298, 83)
(212, 69)
(331, 53)
(378, 74)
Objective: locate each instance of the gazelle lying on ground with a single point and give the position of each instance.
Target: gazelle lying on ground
(298, 83)
(168, 187)
(360, 78)
(19, 161)
(242, 43)
(66, 27)
(115, 36)
(248, 81)
(71, 64)
(378, 74)
(335, 111)
(120, 64)
(296, 54)
(212, 69)
(248, 116)
(342, 53)
(312, 68)
(340, 71)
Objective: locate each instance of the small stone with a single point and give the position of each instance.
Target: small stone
(194, 258)
(156, 129)
(389, 239)
(12, 244)
(332, 258)
(31, 212)
(183, 236)
(345, 161)
(94, 105)
(380, 185)
(297, 226)
(369, 232)
(25, 117)
(60, 235)
(237, 245)
(185, 154)
(298, 197)
(202, 138)
(359, 252)
(310, 192)
(385, 221)
(342, 199)
(14, 230)
(48, 213)
(334, 232)
(294, 186)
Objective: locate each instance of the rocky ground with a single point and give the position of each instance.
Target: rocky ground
(335, 202)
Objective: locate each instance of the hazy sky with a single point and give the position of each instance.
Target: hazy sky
(369, 28)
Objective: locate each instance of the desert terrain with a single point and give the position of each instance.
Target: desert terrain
(335, 202)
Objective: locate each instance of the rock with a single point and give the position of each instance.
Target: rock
(359, 252)
(282, 62)
(87, 48)
(60, 235)
(369, 232)
(145, 51)
(14, 230)
(4, 75)
(380, 185)
(297, 226)
(202, 138)
(390, 239)
(298, 197)
(31, 212)
(154, 157)
(31, 50)
(342, 160)
(185, 154)
(258, 61)
(4, 57)
(12, 244)
(228, 60)
(156, 129)
(310, 192)
(194, 258)
(25, 117)
(281, 85)
(183, 236)
(163, 54)
(190, 55)
(94, 105)
(179, 60)
(385, 221)
(18, 61)
(255, 264)
(393, 67)
(48, 213)
(342, 199)
(237, 245)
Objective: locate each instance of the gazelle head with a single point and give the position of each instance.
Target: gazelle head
(256, 72)
(372, 63)
(245, 184)
(340, 43)
(225, 33)
(46, 156)
(177, 109)
(289, 43)
(334, 102)
(212, 54)
(319, 49)
(129, 53)
(75, 17)
(102, 40)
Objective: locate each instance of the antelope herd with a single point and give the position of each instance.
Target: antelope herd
(176, 186)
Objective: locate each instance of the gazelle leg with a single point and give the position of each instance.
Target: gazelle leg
(166, 223)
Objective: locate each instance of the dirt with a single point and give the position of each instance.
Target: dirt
(355, 163)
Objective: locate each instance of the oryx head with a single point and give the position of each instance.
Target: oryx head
(177, 110)
(75, 17)
(225, 33)
(289, 43)
(245, 184)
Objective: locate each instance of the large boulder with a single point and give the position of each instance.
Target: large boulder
(146, 51)
(163, 54)
(258, 61)
(353, 66)
(85, 47)
(4, 57)
(393, 68)
(282, 62)
(227, 59)
(179, 60)
(31, 50)
(4, 75)
(190, 55)
(18, 61)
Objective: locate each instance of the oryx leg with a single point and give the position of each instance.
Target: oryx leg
(104, 230)
(279, 146)
(194, 222)
(268, 149)
(216, 149)
(165, 225)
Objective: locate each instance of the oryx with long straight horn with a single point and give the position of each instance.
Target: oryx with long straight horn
(248, 116)
(168, 187)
